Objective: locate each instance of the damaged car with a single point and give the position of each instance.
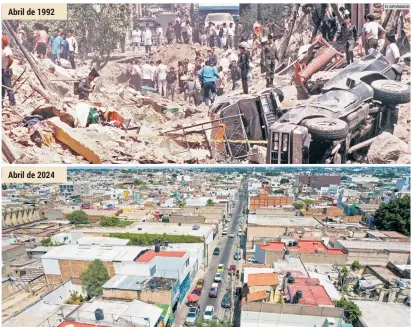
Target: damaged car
(356, 106)
(243, 118)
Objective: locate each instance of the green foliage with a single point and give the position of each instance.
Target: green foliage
(309, 202)
(137, 182)
(47, 242)
(4, 186)
(355, 265)
(213, 323)
(113, 222)
(298, 205)
(351, 311)
(279, 191)
(94, 277)
(210, 203)
(284, 180)
(174, 175)
(152, 239)
(78, 217)
(394, 216)
(344, 272)
(75, 298)
(181, 204)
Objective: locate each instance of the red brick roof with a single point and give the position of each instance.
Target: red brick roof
(272, 246)
(267, 279)
(314, 246)
(314, 294)
(256, 296)
(150, 255)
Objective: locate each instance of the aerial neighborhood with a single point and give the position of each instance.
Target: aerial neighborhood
(208, 247)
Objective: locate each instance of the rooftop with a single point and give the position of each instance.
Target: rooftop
(314, 294)
(291, 221)
(9, 247)
(256, 296)
(86, 240)
(375, 245)
(264, 279)
(78, 324)
(150, 255)
(309, 246)
(272, 246)
(376, 313)
(135, 283)
(394, 234)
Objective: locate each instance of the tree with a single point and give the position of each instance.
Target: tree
(181, 204)
(47, 242)
(94, 277)
(78, 217)
(351, 311)
(109, 221)
(284, 180)
(213, 323)
(355, 265)
(174, 175)
(210, 203)
(279, 191)
(309, 202)
(394, 216)
(298, 205)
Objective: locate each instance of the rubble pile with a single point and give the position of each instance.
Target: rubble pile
(171, 54)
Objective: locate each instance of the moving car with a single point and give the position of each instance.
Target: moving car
(357, 105)
(226, 301)
(197, 291)
(231, 235)
(220, 267)
(232, 270)
(208, 313)
(218, 277)
(213, 292)
(200, 283)
(192, 316)
(216, 251)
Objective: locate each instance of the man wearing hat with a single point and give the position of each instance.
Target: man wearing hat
(268, 57)
(244, 65)
(6, 72)
(84, 87)
(392, 53)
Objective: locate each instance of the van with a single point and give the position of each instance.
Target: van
(219, 19)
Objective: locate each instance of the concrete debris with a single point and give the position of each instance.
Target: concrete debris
(257, 155)
(388, 149)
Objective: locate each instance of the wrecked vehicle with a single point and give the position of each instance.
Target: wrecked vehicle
(357, 104)
(314, 57)
(243, 119)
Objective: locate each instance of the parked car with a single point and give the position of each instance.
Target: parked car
(231, 235)
(200, 283)
(252, 260)
(237, 255)
(197, 291)
(220, 267)
(225, 231)
(218, 277)
(226, 301)
(357, 105)
(208, 313)
(216, 251)
(232, 270)
(213, 292)
(192, 316)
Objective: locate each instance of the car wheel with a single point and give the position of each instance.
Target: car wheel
(388, 91)
(327, 128)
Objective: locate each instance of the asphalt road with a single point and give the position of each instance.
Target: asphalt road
(227, 247)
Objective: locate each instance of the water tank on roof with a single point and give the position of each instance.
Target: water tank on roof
(288, 274)
(153, 285)
(99, 314)
(291, 280)
(290, 243)
(295, 243)
(165, 243)
(298, 296)
(157, 248)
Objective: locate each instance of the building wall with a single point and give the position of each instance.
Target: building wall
(323, 258)
(275, 211)
(368, 258)
(399, 258)
(264, 231)
(264, 200)
(8, 289)
(154, 297)
(352, 219)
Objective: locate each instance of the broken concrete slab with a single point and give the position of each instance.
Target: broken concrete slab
(257, 154)
(68, 136)
(387, 149)
(10, 152)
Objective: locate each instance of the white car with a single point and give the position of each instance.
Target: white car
(231, 235)
(209, 312)
(219, 19)
(225, 231)
(218, 277)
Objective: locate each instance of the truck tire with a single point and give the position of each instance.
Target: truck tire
(327, 128)
(393, 92)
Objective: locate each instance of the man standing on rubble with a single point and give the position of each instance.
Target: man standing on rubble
(147, 39)
(212, 57)
(203, 35)
(230, 36)
(170, 33)
(208, 76)
(55, 45)
(159, 32)
(372, 32)
(213, 34)
(268, 57)
(6, 71)
(161, 74)
(84, 87)
(64, 47)
(171, 83)
(136, 37)
(147, 74)
(73, 48)
(349, 35)
(244, 65)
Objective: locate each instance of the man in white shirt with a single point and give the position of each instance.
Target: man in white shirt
(135, 79)
(393, 53)
(6, 71)
(224, 36)
(153, 74)
(189, 34)
(372, 31)
(147, 74)
(230, 36)
(147, 39)
(159, 32)
(73, 48)
(136, 36)
(161, 73)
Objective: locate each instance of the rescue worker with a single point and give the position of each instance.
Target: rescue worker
(244, 65)
(349, 35)
(268, 57)
(84, 87)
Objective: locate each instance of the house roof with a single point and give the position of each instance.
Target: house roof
(9, 247)
(394, 234)
(314, 246)
(272, 246)
(269, 279)
(150, 255)
(256, 296)
(314, 294)
(78, 324)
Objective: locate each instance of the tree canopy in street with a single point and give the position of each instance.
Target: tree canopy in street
(394, 216)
